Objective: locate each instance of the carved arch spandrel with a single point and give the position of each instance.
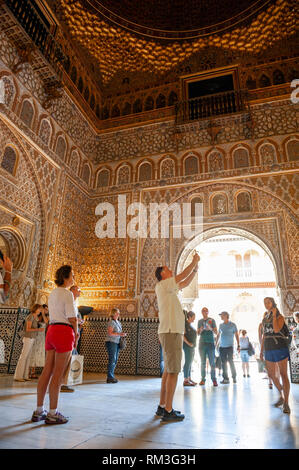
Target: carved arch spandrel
(23, 148)
(279, 246)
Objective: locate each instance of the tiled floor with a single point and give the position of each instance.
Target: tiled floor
(121, 416)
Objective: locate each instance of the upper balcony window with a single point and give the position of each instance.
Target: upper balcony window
(210, 86)
(209, 94)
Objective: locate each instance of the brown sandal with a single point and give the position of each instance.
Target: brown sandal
(188, 384)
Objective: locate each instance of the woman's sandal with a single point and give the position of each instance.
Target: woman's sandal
(286, 408)
(279, 402)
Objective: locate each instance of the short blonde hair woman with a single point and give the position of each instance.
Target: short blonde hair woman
(114, 333)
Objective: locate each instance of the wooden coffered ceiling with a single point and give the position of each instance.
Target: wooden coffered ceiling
(151, 38)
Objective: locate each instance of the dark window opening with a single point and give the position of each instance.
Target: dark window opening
(105, 113)
(74, 74)
(210, 86)
(127, 109)
(137, 106)
(86, 94)
(161, 101)
(80, 85)
(92, 102)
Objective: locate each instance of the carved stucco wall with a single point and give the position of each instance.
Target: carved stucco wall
(57, 209)
(272, 221)
(22, 212)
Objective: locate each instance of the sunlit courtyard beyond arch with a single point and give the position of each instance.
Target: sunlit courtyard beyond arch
(235, 275)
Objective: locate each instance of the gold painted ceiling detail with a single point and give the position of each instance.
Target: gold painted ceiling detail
(176, 19)
(115, 49)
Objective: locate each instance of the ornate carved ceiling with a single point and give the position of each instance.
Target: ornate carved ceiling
(134, 46)
(176, 19)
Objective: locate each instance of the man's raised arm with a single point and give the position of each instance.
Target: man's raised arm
(185, 277)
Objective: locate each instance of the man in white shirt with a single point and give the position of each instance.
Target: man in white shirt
(171, 331)
(6, 264)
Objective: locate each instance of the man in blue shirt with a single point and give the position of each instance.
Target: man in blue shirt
(227, 332)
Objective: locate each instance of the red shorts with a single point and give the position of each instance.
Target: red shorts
(61, 338)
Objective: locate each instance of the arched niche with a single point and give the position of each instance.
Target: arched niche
(103, 178)
(172, 98)
(243, 202)
(45, 131)
(195, 200)
(161, 101)
(123, 174)
(241, 158)
(15, 246)
(9, 160)
(145, 172)
(219, 204)
(149, 103)
(215, 161)
(61, 147)
(293, 150)
(191, 165)
(127, 109)
(74, 162)
(167, 168)
(27, 113)
(267, 154)
(86, 173)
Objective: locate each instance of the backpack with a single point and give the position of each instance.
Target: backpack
(285, 332)
(21, 329)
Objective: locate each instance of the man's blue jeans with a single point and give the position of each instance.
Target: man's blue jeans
(189, 356)
(207, 350)
(113, 350)
(227, 356)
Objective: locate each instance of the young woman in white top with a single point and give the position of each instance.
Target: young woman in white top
(62, 337)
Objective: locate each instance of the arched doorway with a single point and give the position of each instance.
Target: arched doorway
(237, 270)
(13, 245)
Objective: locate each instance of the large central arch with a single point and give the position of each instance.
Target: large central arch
(184, 256)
